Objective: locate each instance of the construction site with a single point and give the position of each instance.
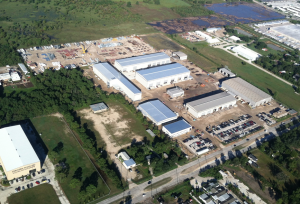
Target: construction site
(80, 54)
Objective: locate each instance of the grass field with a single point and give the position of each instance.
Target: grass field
(285, 93)
(264, 163)
(158, 184)
(43, 193)
(163, 3)
(55, 131)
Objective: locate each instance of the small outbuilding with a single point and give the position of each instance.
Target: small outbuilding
(124, 156)
(5, 77)
(177, 128)
(234, 38)
(226, 72)
(180, 55)
(175, 92)
(246, 52)
(23, 68)
(15, 76)
(99, 107)
(151, 133)
(212, 30)
(130, 163)
(157, 112)
(202, 150)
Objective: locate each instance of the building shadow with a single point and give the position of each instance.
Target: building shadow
(202, 96)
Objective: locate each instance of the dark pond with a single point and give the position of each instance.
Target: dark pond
(244, 12)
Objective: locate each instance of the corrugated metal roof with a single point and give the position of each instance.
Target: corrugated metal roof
(143, 59)
(241, 87)
(23, 68)
(150, 132)
(98, 106)
(15, 148)
(163, 71)
(214, 101)
(180, 54)
(157, 110)
(129, 162)
(175, 91)
(177, 126)
(111, 73)
(124, 156)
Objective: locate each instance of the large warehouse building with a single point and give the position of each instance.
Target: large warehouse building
(115, 79)
(210, 104)
(177, 128)
(246, 52)
(157, 112)
(162, 75)
(17, 156)
(141, 62)
(246, 91)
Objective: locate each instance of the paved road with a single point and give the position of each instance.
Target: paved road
(249, 143)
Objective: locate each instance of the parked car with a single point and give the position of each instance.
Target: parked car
(37, 182)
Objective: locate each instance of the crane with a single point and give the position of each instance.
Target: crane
(83, 49)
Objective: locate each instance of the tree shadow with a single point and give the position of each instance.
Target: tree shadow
(91, 180)
(59, 147)
(78, 173)
(274, 169)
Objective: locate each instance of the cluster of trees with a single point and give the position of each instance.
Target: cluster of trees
(282, 61)
(157, 2)
(190, 11)
(231, 31)
(212, 172)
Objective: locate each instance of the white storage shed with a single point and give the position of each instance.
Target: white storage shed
(157, 112)
(15, 76)
(246, 53)
(210, 104)
(177, 128)
(180, 55)
(162, 75)
(23, 68)
(226, 72)
(141, 62)
(175, 92)
(202, 150)
(115, 79)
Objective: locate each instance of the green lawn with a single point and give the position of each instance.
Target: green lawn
(55, 131)
(265, 53)
(284, 93)
(43, 193)
(158, 184)
(264, 163)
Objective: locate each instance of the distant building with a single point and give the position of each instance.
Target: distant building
(226, 72)
(234, 38)
(202, 150)
(252, 157)
(253, 163)
(15, 76)
(205, 198)
(124, 156)
(210, 104)
(142, 61)
(246, 91)
(208, 186)
(99, 107)
(162, 75)
(175, 92)
(213, 40)
(212, 30)
(5, 77)
(113, 78)
(180, 55)
(17, 155)
(23, 68)
(177, 128)
(157, 112)
(246, 53)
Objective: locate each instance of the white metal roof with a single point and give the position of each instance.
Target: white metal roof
(5, 76)
(15, 148)
(23, 68)
(124, 156)
(242, 88)
(213, 101)
(175, 91)
(235, 38)
(143, 59)
(180, 54)
(246, 52)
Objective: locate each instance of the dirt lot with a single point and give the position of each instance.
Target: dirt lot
(112, 131)
(131, 46)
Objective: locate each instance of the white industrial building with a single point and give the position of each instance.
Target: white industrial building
(23, 68)
(126, 160)
(141, 62)
(212, 30)
(15, 76)
(205, 36)
(246, 91)
(175, 92)
(177, 128)
(162, 75)
(212, 40)
(180, 55)
(5, 77)
(115, 79)
(246, 52)
(234, 38)
(226, 72)
(210, 104)
(157, 112)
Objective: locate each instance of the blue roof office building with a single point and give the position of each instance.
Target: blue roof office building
(177, 128)
(157, 112)
(163, 75)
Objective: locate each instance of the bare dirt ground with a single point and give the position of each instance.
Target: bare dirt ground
(110, 128)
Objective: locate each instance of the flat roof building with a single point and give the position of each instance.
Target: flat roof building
(175, 92)
(162, 75)
(99, 107)
(115, 79)
(157, 112)
(141, 62)
(17, 156)
(234, 38)
(202, 150)
(246, 91)
(246, 53)
(226, 72)
(180, 55)
(5, 76)
(124, 156)
(130, 163)
(212, 30)
(15, 76)
(177, 128)
(210, 104)
(23, 68)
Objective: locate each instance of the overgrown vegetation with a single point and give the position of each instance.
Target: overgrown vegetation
(196, 10)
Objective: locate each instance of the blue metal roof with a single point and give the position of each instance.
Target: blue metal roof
(129, 162)
(111, 73)
(163, 71)
(143, 59)
(177, 126)
(157, 110)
